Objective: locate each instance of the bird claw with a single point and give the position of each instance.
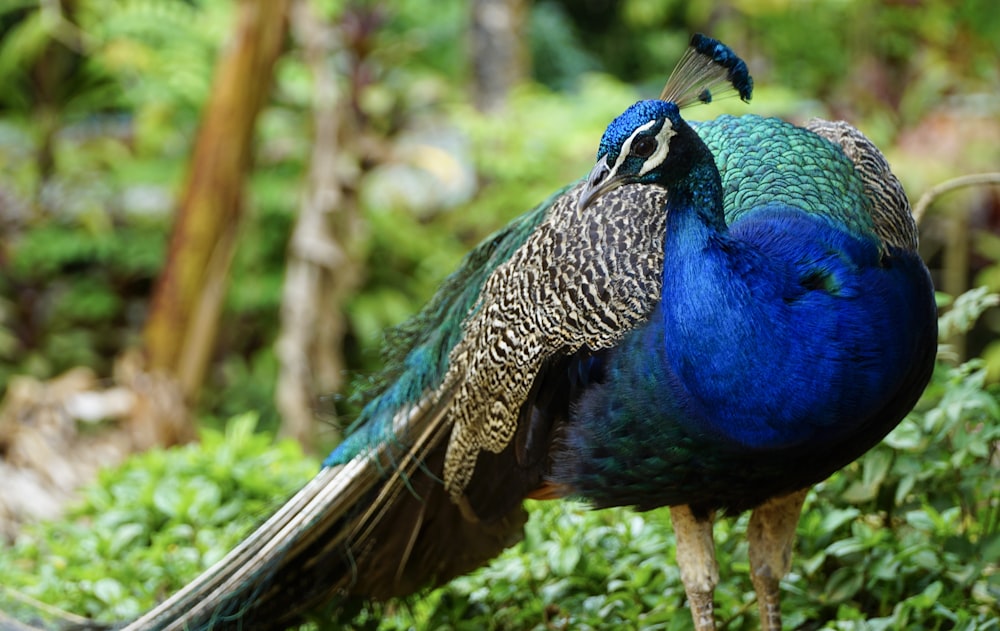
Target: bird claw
(702, 611)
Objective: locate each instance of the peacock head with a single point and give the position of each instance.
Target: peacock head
(641, 145)
(650, 143)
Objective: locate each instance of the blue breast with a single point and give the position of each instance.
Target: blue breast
(794, 352)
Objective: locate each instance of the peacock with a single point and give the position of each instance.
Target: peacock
(719, 316)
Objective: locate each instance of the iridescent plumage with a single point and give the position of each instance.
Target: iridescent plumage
(719, 316)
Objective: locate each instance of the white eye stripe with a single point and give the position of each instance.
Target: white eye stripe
(662, 148)
(627, 146)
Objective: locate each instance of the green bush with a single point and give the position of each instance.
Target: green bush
(147, 527)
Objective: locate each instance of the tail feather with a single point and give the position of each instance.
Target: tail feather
(246, 575)
(376, 527)
(375, 522)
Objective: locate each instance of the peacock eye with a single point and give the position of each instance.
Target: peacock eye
(644, 147)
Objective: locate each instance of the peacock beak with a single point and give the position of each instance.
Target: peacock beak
(600, 181)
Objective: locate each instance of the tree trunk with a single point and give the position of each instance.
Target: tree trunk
(498, 54)
(321, 270)
(188, 298)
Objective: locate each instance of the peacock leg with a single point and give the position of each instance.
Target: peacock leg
(696, 558)
(771, 534)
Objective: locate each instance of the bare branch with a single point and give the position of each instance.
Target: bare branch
(976, 179)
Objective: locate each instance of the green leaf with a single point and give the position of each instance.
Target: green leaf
(843, 584)
(108, 590)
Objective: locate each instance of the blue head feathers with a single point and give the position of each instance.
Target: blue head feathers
(617, 134)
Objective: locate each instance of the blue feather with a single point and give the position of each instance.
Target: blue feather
(789, 338)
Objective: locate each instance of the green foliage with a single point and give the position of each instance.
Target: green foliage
(160, 54)
(98, 98)
(87, 189)
(965, 310)
(148, 526)
(94, 166)
(825, 49)
(559, 57)
(78, 287)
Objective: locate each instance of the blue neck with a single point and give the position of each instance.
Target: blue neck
(696, 196)
(725, 325)
(757, 355)
(705, 291)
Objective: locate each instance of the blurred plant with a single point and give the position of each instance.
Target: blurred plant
(97, 98)
(146, 527)
(141, 71)
(73, 296)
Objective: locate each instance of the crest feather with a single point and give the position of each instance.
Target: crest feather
(707, 70)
